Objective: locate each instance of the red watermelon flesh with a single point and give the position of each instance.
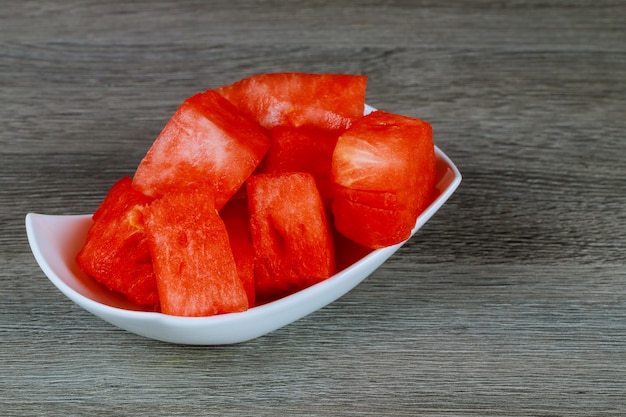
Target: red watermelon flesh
(236, 217)
(330, 101)
(383, 175)
(302, 149)
(116, 251)
(291, 237)
(206, 142)
(193, 262)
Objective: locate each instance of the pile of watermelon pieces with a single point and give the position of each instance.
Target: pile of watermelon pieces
(258, 189)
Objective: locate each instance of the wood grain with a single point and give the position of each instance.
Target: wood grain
(511, 301)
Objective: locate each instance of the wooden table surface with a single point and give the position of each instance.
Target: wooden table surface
(511, 301)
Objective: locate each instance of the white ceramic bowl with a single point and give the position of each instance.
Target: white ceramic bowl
(55, 241)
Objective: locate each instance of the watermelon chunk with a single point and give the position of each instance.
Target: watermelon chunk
(302, 149)
(330, 101)
(236, 217)
(383, 175)
(291, 236)
(206, 142)
(193, 262)
(116, 251)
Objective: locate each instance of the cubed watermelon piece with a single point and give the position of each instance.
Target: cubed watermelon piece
(302, 149)
(383, 175)
(116, 251)
(331, 101)
(206, 142)
(347, 251)
(193, 262)
(291, 236)
(236, 217)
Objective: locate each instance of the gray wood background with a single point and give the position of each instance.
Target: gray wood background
(511, 301)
